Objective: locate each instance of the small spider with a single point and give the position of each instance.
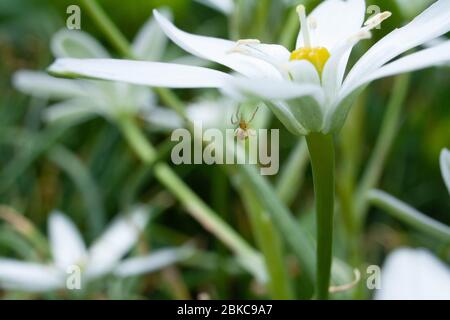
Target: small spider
(243, 131)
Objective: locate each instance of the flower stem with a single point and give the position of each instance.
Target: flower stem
(268, 240)
(108, 27)
(194, 205)
(321, 149)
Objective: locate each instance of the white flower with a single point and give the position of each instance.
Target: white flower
(414, 274)
(102, 258)
(307, 88)
(445, 167)
(87, 98)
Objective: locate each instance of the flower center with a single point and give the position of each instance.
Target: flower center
(318, 56)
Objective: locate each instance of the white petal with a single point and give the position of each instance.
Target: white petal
(273, 89)
(73, 109)
(217, 50)
(414, 274)
(334, 69)
(76, 44)
(445, 167)
(224, 6)
(42, 85)
(335, 20)
(430, 24)
(271, 53)
(150, 41)
(423, 59)
(155, 261)
(191, 61)
(302, 71)
(27, 276)
(140, 72)
(115, 242)
(66, 243)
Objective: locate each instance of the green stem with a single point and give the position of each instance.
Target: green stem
(262, 12)
(321, 149)
(194, 205)
(108, 27)
(269, 242)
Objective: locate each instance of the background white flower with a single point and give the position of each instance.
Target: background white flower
(414, 274)
(102, 258)
(82, 99)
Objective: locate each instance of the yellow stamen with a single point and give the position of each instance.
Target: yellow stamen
(317, 56)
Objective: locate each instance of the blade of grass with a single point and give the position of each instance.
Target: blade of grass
(409, 215)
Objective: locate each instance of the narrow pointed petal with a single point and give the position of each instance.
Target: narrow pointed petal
(217, 50)
(76, 44)
(66, 243)
(273, 54)
(72, 109)
(430, 24)
(414, 274)
(334, 69)
(117, 240)
(426, 58)
(140, 72)
(273, 90)
(32, 277)
(445, 167)
(42, 85)
(334, 21)
(153, 262)
(150, 42)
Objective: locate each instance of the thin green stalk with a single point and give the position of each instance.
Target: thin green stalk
(385, 140)
(321, 149)
(108, 27)
(297, 238)
(289, 32)
(269, 242)
(262, 12)
(291, 178)
(194, 205)
(409, 215)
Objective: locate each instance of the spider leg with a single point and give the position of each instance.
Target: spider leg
(236, 116)
(253, 115)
